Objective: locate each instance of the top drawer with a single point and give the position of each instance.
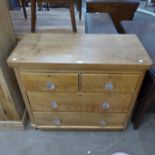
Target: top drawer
(109, 82)
(57, 82)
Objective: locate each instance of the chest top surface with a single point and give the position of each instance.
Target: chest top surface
(80, 50)
(145, 30)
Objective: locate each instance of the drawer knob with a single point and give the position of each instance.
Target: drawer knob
(105, 105)
(108, 86)
(57, 122)
(54, 105)
(102, 123)
(50, 86)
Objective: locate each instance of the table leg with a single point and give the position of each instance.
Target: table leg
(72, 14)
(80, 8)
(33, 15)
(24, 9)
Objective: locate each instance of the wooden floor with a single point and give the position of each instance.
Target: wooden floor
(55, 20)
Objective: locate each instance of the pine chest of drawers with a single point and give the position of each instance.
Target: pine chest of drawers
(72, 81)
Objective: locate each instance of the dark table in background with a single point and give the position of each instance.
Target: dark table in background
(118, 9)
(145, 30)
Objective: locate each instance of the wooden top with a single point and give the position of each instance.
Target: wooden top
(76, 51)
(100, 23)
(145, 30)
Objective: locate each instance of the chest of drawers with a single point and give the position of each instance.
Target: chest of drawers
(73, 81)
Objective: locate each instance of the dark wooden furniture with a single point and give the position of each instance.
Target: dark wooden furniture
(72, 14)
(24, 9)
(118, 9)
(79, 6)
(16, 4)
(145, 30)
(99, 23)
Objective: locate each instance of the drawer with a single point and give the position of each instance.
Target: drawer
(82, 102)
(54, 82)
(79, 119)
(109, 82)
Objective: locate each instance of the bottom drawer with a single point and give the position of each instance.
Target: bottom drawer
(79, 120)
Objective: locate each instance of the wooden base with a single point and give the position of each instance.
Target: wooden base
(78, 128)
(15, 124)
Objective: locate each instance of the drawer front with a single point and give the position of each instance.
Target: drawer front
(82, 102)
(79, 119)
(109, 82)
(54, 82)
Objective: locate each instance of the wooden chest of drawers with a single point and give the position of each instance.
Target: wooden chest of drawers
(12, 109)
(73, 81)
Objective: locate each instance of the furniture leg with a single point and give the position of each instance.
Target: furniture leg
(144, 102)
(24, 9)
(142, 111)
(33, 15)
(80, 8)
(72, 14)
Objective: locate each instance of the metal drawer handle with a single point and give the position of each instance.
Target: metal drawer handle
(54, 105)
(105, 105)
(50, 86)
(102, 123)
(57, 122)
(108, 86)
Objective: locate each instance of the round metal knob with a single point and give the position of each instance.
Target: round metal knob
(57, 122)
(54, 105)
(102, 123)
(108, 86)
(105, 105)
(50, 86)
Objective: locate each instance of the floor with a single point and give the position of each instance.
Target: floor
(36, 142)
(58, 20)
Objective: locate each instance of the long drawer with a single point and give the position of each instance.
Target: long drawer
(55, 82)
(79, 119)
(79, 102)
(109, 82)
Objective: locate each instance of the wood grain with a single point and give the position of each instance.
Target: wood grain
(120, 82)
(11, 103)
(80, 65)
(40, 81)
(79, 119)
(78, 102)
(7, 104)
(76, 51)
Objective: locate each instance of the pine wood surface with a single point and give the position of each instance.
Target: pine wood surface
(72, 51)
(121, 82)
(79, 102)
(89, 57)
(11, 103)
(80, 119)
(39, 81)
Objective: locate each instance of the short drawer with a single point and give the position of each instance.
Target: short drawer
(109, 82)
(55, 82)
(79, 102)
(79, 119)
